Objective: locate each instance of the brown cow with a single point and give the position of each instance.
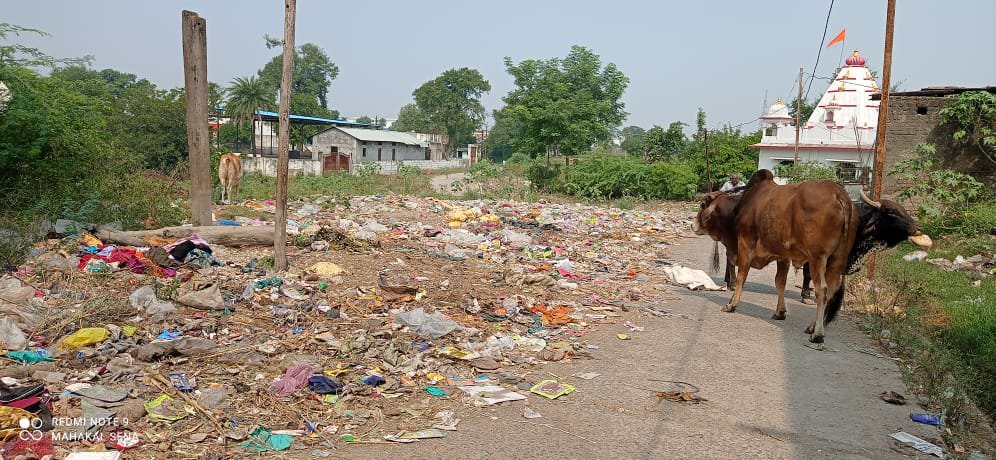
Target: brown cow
(815, 222)
(230, 173)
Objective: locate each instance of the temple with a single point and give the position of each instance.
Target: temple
(840, 132)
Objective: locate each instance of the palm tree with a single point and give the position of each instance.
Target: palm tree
(245, 96)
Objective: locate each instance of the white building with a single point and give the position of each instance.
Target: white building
(840, 133)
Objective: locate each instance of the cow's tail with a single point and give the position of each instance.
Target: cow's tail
(715, 257)
(836, 300)
(834, 303)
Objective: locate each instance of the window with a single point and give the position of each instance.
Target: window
(380, 143)
(847, 172)
(334, 149)
(829, 117)
(364, 152)
(378, 154)
(921, 110)
(393, 156)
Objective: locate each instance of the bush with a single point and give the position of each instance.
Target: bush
(600, 176)
(806, 170)
(936, 193)
(544, 177)
(672, 180)
(518, 158)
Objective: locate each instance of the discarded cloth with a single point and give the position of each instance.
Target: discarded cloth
(691, 278)
(324, 385)
(295, 377)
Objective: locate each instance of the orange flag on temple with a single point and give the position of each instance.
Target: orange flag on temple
(839, 38)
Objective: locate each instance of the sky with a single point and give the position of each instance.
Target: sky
(722, 56)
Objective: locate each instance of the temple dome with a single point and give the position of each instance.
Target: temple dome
(855, 59)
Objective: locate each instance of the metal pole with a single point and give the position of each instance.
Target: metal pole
(883, 114)
(798, 120)
(283, 136)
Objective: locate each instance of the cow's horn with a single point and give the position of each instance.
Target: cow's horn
(870, 201)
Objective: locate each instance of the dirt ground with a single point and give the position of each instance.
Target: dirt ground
(591, 273)
(768, 395)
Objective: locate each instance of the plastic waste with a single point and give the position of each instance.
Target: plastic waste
(28, 357)
(144, 299)
(205, 299)
(264, 440)
(433, 326)
(551, 389)
(925, 419)
(84, 337)
(11, 336)
(165, 408)
(515, 239)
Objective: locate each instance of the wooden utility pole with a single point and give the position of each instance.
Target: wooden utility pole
(798, 120)
(283, 135)
(705, 151)
(883, 114)
(194, 32)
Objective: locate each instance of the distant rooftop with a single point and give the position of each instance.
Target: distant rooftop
(936, 91)
(306, 120)
(376, 135)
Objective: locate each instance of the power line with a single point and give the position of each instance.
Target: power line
(820, 51)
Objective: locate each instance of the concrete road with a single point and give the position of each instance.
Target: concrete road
(768, 395)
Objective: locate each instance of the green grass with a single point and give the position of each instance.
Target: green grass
(259, 187)
(951, 315)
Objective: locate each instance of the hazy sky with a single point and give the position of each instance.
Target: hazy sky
(719, 55)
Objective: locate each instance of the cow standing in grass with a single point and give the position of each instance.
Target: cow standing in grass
(230, 173)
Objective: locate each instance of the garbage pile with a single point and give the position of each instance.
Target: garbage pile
(395, 312)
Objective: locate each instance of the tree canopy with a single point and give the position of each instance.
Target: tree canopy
(565, 105)
(448, 104)
(313, 75)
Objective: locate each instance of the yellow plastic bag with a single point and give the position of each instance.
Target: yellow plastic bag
(84, 337)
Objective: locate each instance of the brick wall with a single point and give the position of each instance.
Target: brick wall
(916, 119)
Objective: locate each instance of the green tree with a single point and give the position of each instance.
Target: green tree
(146, 122)
(807, 109)
(661, 145)
(364, 119)
(972, 115)
(411, 119)
(564, 105)
(451, 104)
(15, 54)
(313, 74)
(633, 140)
(246, 95)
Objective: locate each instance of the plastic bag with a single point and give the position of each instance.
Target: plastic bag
(204, 299)
(144, 299)
(515, 239)
(84, 337)
(11, 336)
(433, 326)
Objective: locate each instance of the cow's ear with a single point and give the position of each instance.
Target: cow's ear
(706, 213)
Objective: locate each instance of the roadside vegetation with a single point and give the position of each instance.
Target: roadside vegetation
(941, 321)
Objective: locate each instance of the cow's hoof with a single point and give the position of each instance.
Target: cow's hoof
(730, 309)
(807, 301)
(779, 316)
(816, 338)
(809, 330)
